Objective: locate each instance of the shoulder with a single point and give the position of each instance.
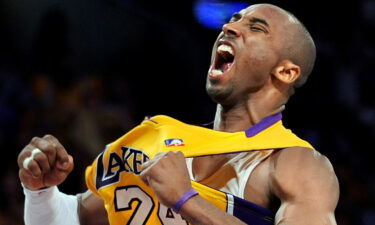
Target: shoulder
(302, 173)
(291, 159)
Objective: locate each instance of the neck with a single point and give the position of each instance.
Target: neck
(245, 114)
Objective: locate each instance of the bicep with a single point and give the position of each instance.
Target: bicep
(307, 186)
(91, 209)
(302, 213)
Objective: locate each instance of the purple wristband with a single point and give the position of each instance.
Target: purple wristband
(190, 193)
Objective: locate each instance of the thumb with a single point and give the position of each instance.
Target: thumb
(59, 173)
(65, 165)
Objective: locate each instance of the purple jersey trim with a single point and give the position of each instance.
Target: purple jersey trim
(251, 213)
(263, 124)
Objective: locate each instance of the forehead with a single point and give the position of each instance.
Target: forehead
(272, 14)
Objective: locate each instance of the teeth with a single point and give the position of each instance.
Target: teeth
(225, 48)
(217, 72)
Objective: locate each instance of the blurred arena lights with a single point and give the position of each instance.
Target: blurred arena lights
(214, 14)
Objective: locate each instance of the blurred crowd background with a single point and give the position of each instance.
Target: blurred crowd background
(87, 71)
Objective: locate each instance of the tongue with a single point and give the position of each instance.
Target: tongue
(226, 66)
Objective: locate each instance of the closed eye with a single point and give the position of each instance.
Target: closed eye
(257, 29)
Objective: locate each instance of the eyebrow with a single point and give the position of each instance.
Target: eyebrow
(236, 16)
(259, 20)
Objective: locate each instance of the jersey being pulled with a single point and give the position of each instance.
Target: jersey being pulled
(113, 176)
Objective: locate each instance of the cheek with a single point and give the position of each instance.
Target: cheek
(256, 64)
(259, 58)
(259, 55)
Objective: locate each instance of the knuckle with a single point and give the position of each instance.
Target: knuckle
(47, 136)
(20, 160)
(33, 167)
(47, 147)
(34, 140)
(23, 154)
(40, 157)
(50, 137)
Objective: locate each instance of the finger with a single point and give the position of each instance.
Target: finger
(179, 156)
(146, 170)
(47, 147)
(144, 178)
(68, 167)
(147, 166)
(23, 155)
(61, 155)
(51, 149)
(26, 162)
(62, 159)
(146, 175)
(31, 156)
(42, 161)
(57, 176)
(29, 181)
(156, 158)
(34, 169)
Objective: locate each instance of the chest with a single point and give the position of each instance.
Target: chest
(244, 175)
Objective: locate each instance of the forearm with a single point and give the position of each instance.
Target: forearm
(91, 210)
(199, 211)
(50, 206)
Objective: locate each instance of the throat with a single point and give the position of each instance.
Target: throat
(232, 119)
(242, 116)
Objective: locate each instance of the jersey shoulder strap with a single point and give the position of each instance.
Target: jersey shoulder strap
(163, 133)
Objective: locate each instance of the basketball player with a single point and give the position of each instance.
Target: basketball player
(248, 170)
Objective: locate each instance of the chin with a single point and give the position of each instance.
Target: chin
(220, 95)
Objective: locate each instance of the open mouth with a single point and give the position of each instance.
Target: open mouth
(223, 60)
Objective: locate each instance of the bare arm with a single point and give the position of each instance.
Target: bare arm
(91, 210)
(307, 186)
(199, 211)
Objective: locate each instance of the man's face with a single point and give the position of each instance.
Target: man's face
(245, 53)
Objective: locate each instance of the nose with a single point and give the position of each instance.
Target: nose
(230, 29)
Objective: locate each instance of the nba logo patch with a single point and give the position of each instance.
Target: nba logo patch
(174, 142)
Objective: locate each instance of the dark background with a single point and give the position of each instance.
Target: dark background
(87, 71)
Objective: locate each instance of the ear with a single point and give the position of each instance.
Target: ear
(287, 72)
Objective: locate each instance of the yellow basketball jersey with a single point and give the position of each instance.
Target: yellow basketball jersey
(113, 176)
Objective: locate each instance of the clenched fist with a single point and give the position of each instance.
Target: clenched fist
(44, 162)
(168, 176)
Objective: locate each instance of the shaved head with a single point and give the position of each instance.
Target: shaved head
(297, 44)
(299, 47)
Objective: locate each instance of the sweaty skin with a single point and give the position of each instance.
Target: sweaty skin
(256, 84)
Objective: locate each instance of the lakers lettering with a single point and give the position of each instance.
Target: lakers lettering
(129, 161)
